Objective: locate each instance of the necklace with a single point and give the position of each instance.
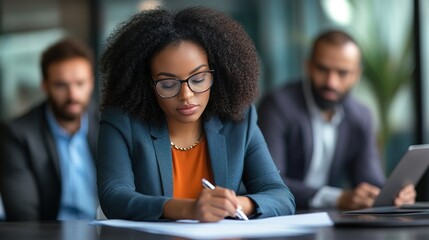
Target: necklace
(187, 148)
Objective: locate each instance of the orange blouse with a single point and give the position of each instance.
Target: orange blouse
(188, 168)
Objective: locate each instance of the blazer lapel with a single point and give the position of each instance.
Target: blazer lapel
(308, 143)
(217, 151)
(307, 133)
(339, 152)
(50, 143)
(161, 143)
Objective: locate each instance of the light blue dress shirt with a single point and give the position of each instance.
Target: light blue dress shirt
(79, 194)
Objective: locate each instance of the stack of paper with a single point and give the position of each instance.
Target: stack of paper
(267, 227)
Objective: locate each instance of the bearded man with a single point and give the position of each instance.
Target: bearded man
(321, 139)
(47, 170)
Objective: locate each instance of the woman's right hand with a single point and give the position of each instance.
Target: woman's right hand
(214, 205)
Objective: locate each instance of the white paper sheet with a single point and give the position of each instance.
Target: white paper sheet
(267, 227)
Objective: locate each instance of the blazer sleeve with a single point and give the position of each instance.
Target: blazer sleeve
(274, 125)
(115, 177)
(261, 177)
(17, 182)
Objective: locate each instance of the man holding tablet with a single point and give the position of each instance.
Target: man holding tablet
(321, 138)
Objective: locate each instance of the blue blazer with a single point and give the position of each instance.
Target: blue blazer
(134, 166)
(285, 121)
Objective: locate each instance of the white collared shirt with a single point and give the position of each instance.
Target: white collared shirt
(324, 143)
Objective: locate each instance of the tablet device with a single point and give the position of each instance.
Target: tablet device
(409, 170)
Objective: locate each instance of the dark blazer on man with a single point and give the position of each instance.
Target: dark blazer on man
(284, 119)
(30, 176)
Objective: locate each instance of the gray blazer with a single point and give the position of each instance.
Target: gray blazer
(30, 181)
(285, 122)
(134, 166)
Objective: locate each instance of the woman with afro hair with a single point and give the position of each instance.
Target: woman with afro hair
(177, 107)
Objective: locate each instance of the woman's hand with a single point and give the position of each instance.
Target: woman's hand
(214, 205)
(210, 206)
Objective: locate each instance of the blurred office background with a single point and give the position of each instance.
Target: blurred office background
(393, 34)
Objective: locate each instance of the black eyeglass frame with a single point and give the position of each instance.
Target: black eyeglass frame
(183, 81)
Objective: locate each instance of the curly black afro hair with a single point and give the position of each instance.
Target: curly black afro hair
(125, 64)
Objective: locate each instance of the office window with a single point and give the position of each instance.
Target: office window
(27, 28)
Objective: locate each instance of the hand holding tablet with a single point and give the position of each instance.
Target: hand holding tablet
(409, 170)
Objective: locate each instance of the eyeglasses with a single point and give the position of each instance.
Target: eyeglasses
(198, 83)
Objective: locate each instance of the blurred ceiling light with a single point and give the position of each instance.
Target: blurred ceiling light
(150, 4)
(339, 11)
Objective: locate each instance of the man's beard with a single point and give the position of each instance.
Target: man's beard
(326, 104)
(63, 115)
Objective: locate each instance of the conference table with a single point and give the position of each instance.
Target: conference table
(83, 230)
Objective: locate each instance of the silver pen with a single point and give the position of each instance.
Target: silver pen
(238, 212)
